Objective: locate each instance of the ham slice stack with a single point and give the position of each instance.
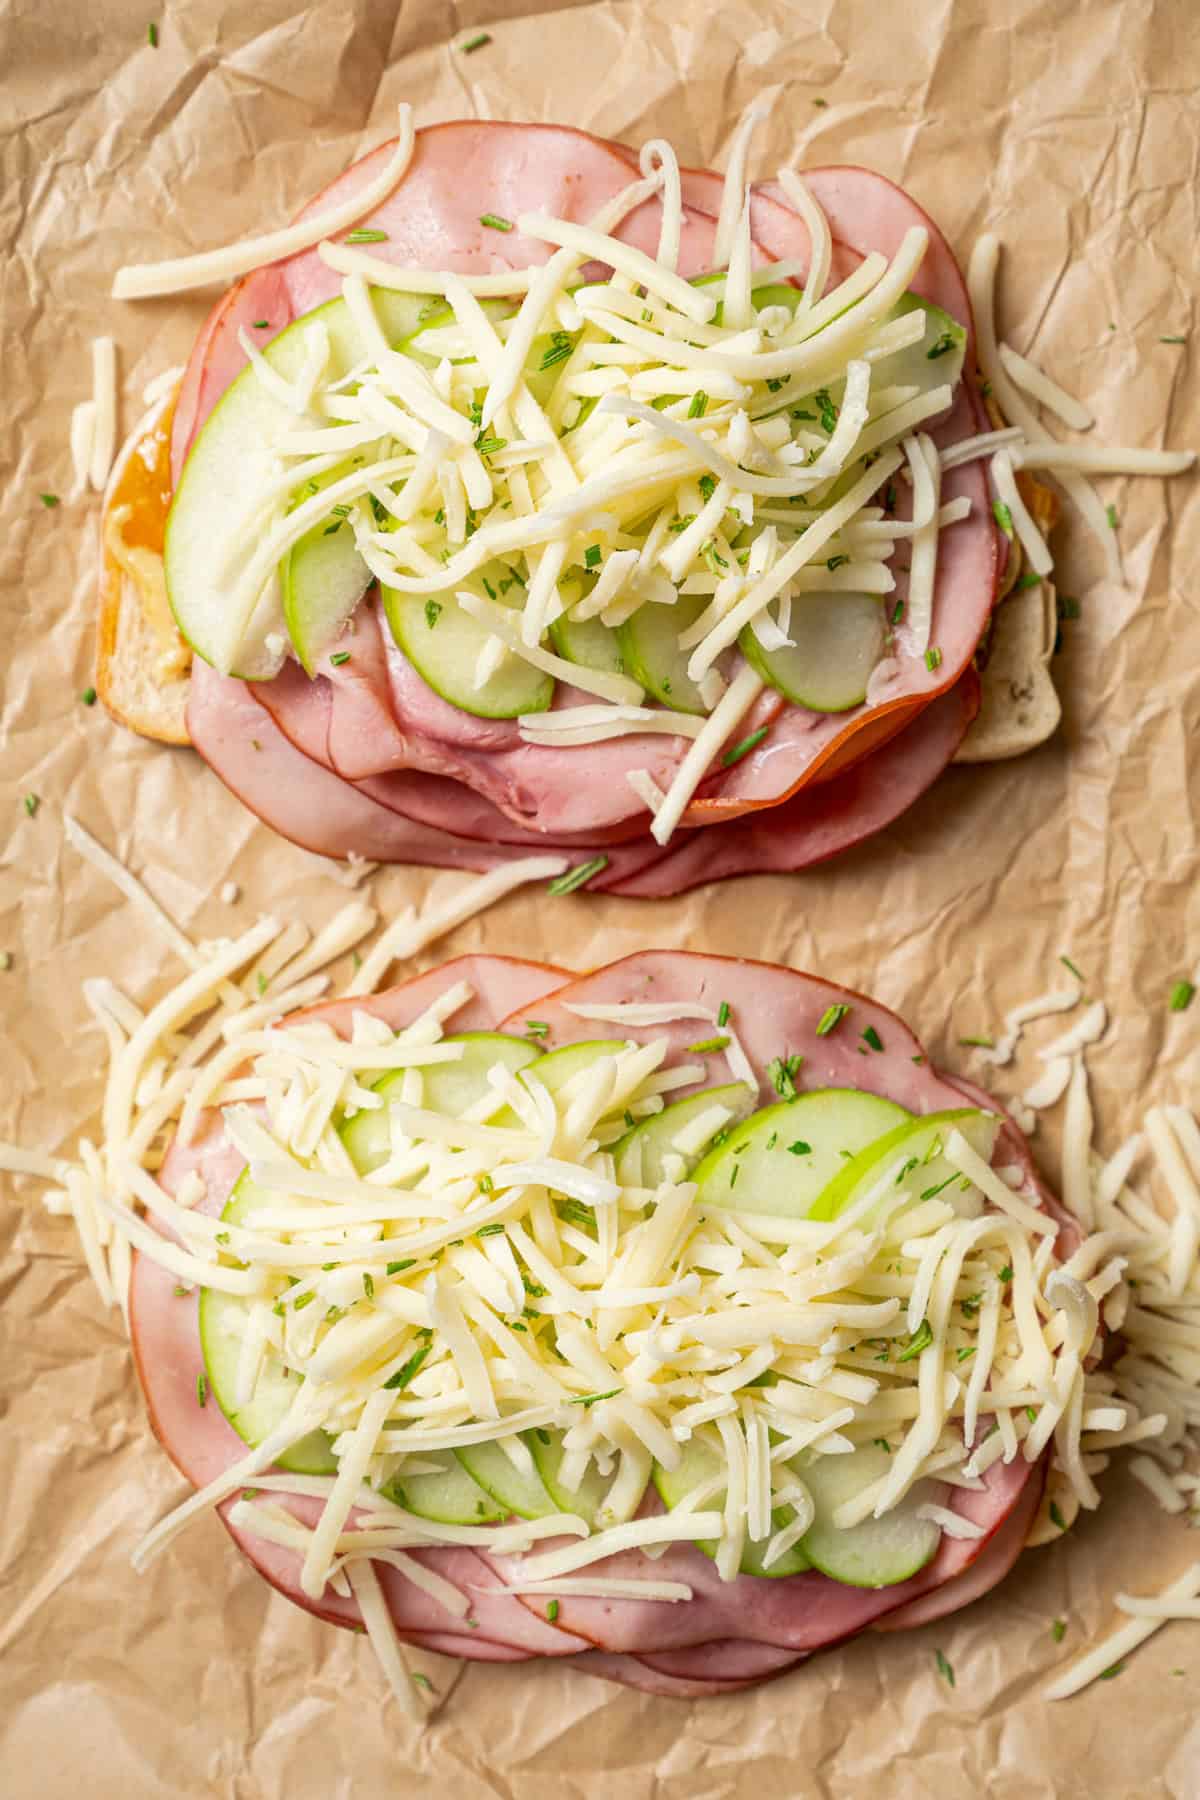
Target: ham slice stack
(366, 758)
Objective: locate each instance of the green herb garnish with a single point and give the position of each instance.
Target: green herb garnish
(577, 877)
(1181, 996)
(698, 405)
(745, 747)
(944, 1669)
(433, 612)
(494, 222)
(366, 235)
(783, 1071)
(1003, 517)
(591, 1399)
(406, 1371)
(920, 1340)
(476, 43)
(872, 1038)
(832, 1017)
(942, 347)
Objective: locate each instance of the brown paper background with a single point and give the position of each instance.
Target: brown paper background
(1073, 130)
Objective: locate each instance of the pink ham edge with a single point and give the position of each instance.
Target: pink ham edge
(165, 1334)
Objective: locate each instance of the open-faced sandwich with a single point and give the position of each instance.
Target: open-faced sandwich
(577, 501)
(679, 1319)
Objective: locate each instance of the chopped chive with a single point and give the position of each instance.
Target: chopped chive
(871, 1036)
(1110, 513)
(1059, 1630)
(32, 802)
(723, 1014)
(933, 658)
(818, 101)
(577, 877)
(406, 1371)
(978, 1043)
(707, 1046)
(591, 556)
(302, 1302)
(1181, 996)
(494, 222)
(837, 562)
(920, 1340)
(699, 405)
(1113, 1670)
(1028, 580)
(536, 1027)
(944, 1669)
(828, 411)
(422, 1681)
(591, 1399)
(394, 1268)
(1006, 1273)
(476, 43)
(931, 1193)
(262, 325)
(339, 657)
(488, 446)
(49, 500)
(223, 1237)
(943, 345)
(330, 529)
(551, 1610)
(368, 1285)
(152, 35)
(261, 982)
(202, 1389)
(490, 1230)
(1172, 340)
(783, 1071)
(181, 1293)
(799, 1148)
(965, 1353)
(1067, 607)
(832, 1017)
(557, 353)
(1056, 1517)
(88, 696)
(1003, 517)
(249, 1493)
(970, 1306)
(734, 1173)
(366, 235)
(433, 612)
(897, 612)
(707, 485)
(1068, 964)
(486, 1185)
(744, 748)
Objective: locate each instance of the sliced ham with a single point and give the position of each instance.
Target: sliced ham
(639, 1672)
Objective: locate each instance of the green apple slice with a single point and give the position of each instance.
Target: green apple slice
(587, 1500)
(231, 458)
(451, 1497)
(877, 1552)
(443, 643)
(449, 1088)
(782, 1158)
(323, 578)
(699, 1465)
(589, 643)
(917, 1147)
(514, 1490)
(935, 360)
(649, 644)
(223, 1321)
(641, 1153)
(837, 639)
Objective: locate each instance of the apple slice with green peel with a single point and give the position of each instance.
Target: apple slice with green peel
(916, 1147)
(212, 522)
(224, 1319)
(449, 1088)
(323, 578)
(837, 639)
(641, 1153)
(557, 1067)
(443, 642)
(587, 1500)
(650, 648)
(699, 1466)
(878, 1552)
(781, 1159)
(451, 1496)
(935, 360)
(589, 643)
(513, 1490)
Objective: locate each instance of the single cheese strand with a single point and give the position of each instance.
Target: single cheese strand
(969, 1163)
(1102, 460)
(344, 259)
(178, 275)
(104, 418)
(658, 162)
(733, 706)
(1185, 1227)
(1036, 549)
(1077, 1138)
(1123, 1641)
(351, 1472)
(819, 237)
(592, 243)
(735, 177)
(738, 312)
(674, 1528)
(1038, 385)
(405, 937)
(385, 1640)
(918, 618)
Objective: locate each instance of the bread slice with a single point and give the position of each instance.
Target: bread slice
(142, 664)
